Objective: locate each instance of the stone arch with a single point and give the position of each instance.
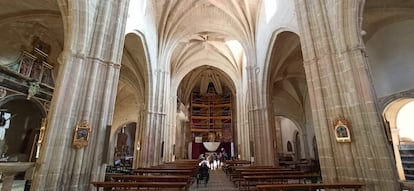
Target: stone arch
(134, 87)
(266, 69)
(390, 115)
(20, 134)
(397, 37)
(286, 85)
(192, 80)
(36, 102)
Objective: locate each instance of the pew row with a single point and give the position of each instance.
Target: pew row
(286, 187)
(139, 185)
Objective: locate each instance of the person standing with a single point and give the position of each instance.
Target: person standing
(222, 157)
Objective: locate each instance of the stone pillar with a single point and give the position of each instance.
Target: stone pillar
(85, 90)
(170, 131)
(395, 132)
(278, 137)
(154, 133)
(339, 84)
(182, 119)
(139, 155)
(242, 128)
(258, 120)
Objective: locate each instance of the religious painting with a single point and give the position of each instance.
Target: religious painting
(81, 135)
(25, 65)
(36, 72)
(47, 76)
(341, 130)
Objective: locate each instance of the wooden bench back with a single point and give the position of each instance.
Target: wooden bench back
(266, 187)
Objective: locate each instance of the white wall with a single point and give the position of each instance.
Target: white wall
(288, 130)
(391, 58)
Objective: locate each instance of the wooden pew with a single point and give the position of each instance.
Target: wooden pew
(233, 169)
(229, 163)
(274, 171)
(251, 181)
(237, 162)
(170, 167)
(253, 173)
(189, 172)
(138, 185)
(151, 178)
(167, 175)
(280, 178)
(238, 174)
(265, 169)
(284, 187)
(184, 161)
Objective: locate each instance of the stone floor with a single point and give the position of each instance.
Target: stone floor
(218, 182)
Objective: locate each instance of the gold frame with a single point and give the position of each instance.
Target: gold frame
(42, 131)
(81, 134)
(342, 130)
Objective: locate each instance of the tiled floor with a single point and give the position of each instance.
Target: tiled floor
(219, 181)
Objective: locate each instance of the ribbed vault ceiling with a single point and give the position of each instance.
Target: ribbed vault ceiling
(378, 13)
(197, 31)
(287, 79)
(195, 79)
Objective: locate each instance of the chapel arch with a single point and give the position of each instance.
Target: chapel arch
(388, 35)
(389, 43)
(398, 122)
(207, 95)
(288, 95)
(21, 118)
(132, 95)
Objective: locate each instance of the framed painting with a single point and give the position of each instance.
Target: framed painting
(81, 135)
(342, 130)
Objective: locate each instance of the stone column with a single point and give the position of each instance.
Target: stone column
(395, 132)
(278, 135)
(258, 120)
(182, 119)
(156, 120)
(85, 90)
(242, 128)
(139, 156)
(170, 131)
(339, 84)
